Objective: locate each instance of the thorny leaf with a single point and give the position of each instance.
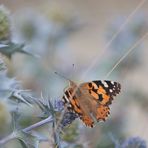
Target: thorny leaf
(10, 48)
(16, 94)
(8, 85)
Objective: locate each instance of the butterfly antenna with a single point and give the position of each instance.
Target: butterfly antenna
(62, 76)
(72, 70)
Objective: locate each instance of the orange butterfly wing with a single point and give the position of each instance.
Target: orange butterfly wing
(100, 92)
(103, 91)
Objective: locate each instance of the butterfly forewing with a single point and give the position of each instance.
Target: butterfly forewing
(111, 88)
(103, 91)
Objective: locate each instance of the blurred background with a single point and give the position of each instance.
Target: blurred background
(72, 37)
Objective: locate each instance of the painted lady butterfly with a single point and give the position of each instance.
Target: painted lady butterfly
(91, 100)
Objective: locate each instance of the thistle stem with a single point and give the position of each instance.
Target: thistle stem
(13, 135)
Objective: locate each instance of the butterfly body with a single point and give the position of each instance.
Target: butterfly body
(91, 100)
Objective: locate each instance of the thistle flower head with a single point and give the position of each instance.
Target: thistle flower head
(58, 105)
(134, 142)
(68, 118)
(4, 23)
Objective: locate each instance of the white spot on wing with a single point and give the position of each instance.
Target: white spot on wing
(112, 82)
(105, 84)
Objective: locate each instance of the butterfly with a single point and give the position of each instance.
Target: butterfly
(91, 100)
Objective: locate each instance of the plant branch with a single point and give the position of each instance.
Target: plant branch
(38, 124)
(13, 135)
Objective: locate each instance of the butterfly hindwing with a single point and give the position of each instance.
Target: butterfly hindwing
(102, 112)
(87, 120)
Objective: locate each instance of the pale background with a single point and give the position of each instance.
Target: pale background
(82, 47)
